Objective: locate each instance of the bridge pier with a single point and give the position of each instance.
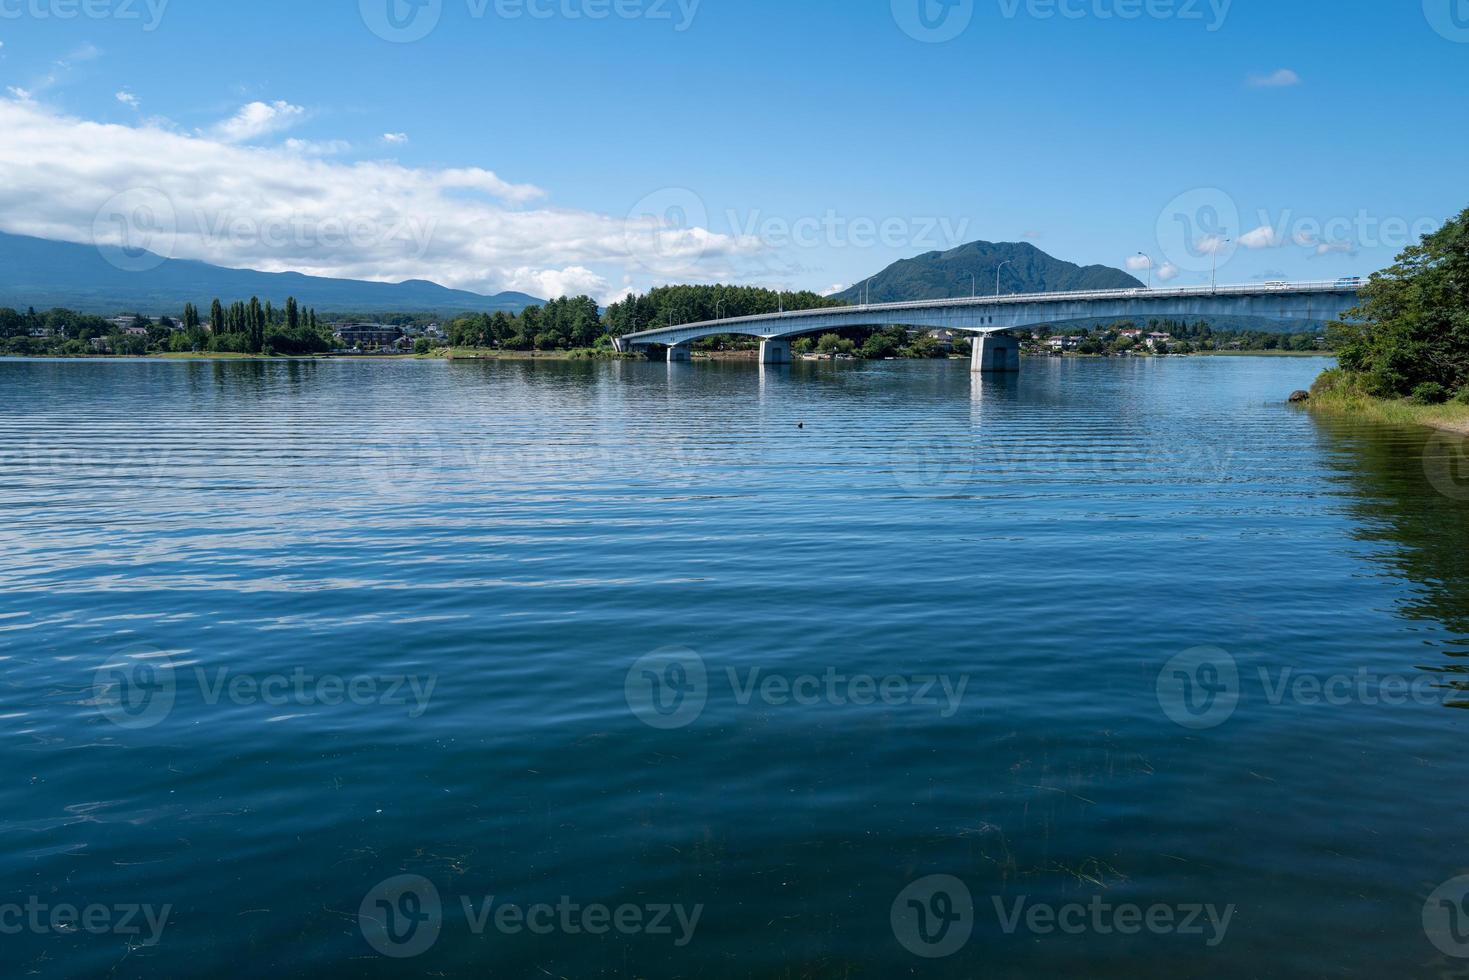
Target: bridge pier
(775, 352)
(679, 354)
(995, 353)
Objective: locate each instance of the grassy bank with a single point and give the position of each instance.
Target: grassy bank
(1262, 353)
(492, 354)
(1338, 393)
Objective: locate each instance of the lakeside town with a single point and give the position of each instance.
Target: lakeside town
(289, 331)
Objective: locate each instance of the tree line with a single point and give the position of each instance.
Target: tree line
(242, 327)
(569, 323)
(1409, 335)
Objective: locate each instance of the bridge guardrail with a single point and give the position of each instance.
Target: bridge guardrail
(1317, 286)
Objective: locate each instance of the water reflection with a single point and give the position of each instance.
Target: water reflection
(1423, 531)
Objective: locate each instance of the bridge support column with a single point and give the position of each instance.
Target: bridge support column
(775, 352)
(995, 353)
(679, 354)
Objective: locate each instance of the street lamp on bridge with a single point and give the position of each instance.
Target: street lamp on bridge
(1149, 266)
(1214, 272)
(997, 275)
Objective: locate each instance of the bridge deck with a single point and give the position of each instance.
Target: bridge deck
(951, 313)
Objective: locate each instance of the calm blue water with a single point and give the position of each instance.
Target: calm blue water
(624, 638)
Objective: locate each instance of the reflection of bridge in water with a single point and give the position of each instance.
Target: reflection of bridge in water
(989, 317)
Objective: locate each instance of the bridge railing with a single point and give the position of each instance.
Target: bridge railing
(1347, 285)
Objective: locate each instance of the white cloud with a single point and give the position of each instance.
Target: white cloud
(1211, 244)
(128, 99)
(1167, 272)
(1262, 237)
(1137, 263)
(1281, 78)
(258, 119)
(275, 209)
(395, 137)
(1326, 248)
(317, 148)
(551, 283)
(24, 95)
(87, 52)
(833, 289)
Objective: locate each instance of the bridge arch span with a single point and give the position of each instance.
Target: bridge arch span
(1279, 302)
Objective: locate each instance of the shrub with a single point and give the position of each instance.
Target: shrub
(1383, 382)
(1463, 396)
(1430, 393)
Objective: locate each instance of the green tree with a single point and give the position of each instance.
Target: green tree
(1412, 324)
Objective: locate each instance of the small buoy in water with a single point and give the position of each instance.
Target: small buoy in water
(800, 425)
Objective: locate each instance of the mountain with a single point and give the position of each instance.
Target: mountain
(45, 274)
(940, 275)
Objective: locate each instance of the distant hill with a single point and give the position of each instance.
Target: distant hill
(46, 274)
(941, 275)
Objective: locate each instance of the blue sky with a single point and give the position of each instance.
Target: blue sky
(789, 144)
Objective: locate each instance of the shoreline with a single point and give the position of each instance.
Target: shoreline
(1334, 395)
(1445, 418)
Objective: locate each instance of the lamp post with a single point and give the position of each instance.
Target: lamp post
(997, 275)
(1214, 272)
(1149, 267)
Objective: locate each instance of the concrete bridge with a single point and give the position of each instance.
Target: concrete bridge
(990, 316)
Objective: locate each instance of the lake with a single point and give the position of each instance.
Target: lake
(1116, 668)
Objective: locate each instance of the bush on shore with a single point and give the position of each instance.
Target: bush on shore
(1409, 336)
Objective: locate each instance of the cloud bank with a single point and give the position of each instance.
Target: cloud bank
(217, 196)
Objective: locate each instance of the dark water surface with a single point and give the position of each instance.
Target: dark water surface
(623, 639)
